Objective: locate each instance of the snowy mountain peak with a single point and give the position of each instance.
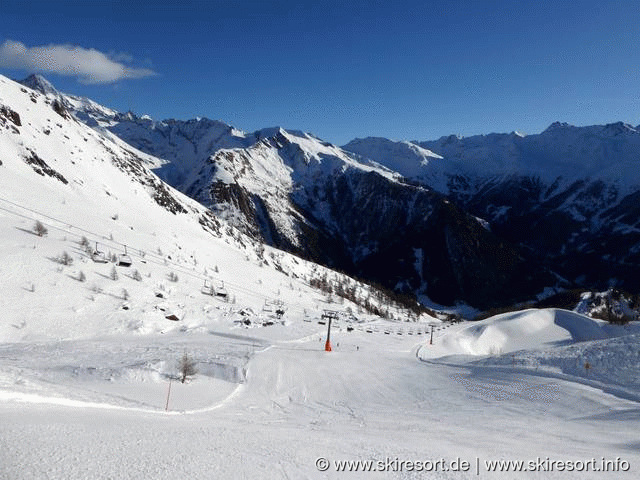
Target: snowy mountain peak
(274, 132)
(406, 158)
(40, 84)
(268, 132)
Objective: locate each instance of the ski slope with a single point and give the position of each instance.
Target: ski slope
(371, 398)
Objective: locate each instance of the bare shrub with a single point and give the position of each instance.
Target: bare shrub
(39, 229)
(65, 259)
(186, 367)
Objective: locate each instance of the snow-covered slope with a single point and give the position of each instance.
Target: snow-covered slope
(526, 330)
(39, 135)
(549, 342)
(408, 159)
(85, 109)
(80, 183)
(276, 174)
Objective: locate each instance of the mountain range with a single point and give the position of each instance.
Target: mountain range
(486, 220)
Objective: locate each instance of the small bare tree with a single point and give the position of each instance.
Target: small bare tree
(114, 274)
(65, 259)
(136, 276)
(39, 229)
(186, 367)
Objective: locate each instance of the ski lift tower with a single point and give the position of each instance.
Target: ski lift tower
(431, 338)
(329, 315)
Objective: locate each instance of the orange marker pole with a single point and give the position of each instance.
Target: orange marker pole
(166, 407)
(327, 345)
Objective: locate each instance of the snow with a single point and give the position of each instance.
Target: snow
(562, 152)
(550, 342)
(84, 382)
(281, 164)
(406, 158)
(368, 399)
(521, 330)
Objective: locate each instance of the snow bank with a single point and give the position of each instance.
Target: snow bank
(528, 329)
(549, 343)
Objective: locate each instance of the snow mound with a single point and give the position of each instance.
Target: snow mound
(525, 330)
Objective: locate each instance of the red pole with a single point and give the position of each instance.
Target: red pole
(327, 345)
(166, 407)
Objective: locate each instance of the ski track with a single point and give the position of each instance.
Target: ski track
(368, 399)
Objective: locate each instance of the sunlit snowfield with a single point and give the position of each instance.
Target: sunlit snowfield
(96, 409)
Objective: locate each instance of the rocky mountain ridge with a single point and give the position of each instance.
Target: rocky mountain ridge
(485, 220)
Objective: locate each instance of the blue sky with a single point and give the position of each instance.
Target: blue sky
(403, 70)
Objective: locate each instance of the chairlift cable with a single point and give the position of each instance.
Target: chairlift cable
(138, 252)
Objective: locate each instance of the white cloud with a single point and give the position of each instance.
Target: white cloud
(88, 65)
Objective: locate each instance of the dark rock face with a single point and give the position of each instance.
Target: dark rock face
(60, 109)
(584, 232)
(420, 242)
(10, 115)
(42, 168)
